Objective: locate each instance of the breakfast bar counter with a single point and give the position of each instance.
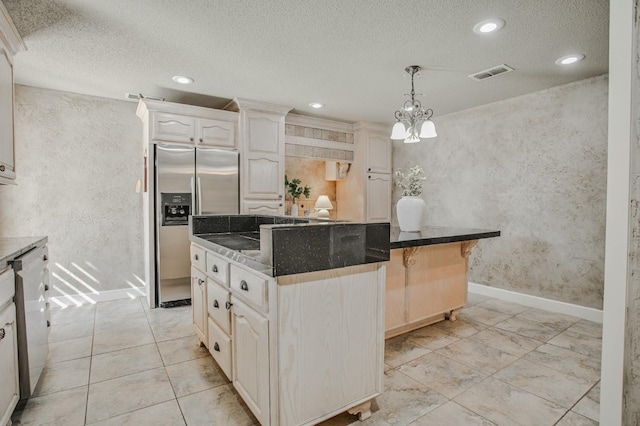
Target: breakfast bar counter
(426, 278)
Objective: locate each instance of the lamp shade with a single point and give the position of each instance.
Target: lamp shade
(398, 132)
(412, 138)
(323, 203)
(428, 130)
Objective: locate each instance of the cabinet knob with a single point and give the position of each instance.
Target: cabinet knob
(200, 282)
(191, 139)
(228, 305)
(200, 139)
(369, 176)
(45, 257)
(280, 204)
(195, 257)
(215, 268)
(280, 196)
(216, 347)
(46, 287)
(48, 323)
(244, 286)
(2, 168)
(369, 169)
(215, 304)
(2, 333)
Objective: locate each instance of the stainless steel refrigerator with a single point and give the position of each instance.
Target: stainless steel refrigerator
(188, 181)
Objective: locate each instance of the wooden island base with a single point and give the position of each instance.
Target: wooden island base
(425, 284)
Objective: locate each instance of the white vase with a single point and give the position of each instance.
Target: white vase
(294, 209)
(411, 213)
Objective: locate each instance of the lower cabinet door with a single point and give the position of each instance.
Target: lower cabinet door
(250, 332)
(220, 347)
(9, 389)
(199, 303)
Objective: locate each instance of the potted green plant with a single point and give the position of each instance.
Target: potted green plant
(411, 207)
(295, 190)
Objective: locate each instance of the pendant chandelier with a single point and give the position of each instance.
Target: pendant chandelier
(413, 121)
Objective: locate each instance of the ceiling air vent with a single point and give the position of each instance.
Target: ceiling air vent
(491, 72)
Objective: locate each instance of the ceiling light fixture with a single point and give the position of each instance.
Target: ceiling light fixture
(570, 59)
(488, 26)
(316, 105)
(182, 79)
(412, 115)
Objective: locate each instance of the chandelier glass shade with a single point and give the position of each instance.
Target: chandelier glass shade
(413, 121)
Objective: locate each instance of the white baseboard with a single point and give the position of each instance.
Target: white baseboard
(77, 299)
(583, 312)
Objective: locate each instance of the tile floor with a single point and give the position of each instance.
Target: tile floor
(118, 363)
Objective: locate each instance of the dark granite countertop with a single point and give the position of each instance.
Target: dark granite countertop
(281, 245)
(437, 235)
(13, 247)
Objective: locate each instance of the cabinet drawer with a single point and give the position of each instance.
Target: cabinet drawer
(249, 287)
(220, 347)
(7, 286)
(218, 269)
(198, 257)
(218, 304)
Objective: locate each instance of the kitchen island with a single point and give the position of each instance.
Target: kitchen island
(426, 278)
(293, 311)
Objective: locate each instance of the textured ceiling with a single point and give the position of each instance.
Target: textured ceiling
(348, 54)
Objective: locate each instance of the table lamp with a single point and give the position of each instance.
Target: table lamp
(323, 205)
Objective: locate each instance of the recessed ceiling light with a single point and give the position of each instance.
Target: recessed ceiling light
(570, 59)
(182, 79)
(488, 26)
(316, 105)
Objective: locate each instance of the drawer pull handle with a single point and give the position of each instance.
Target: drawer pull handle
(244, 286)
(45, 257)
(215, 268)
(200, 282)
(216, 347)
(2, 333)
(195, 257)
(46, 287)
(228, 305)
(215, 304)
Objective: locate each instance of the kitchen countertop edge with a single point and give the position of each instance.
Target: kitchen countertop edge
(14, 247)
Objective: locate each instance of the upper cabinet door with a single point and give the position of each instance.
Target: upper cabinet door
(263, 159)
(378, 153)
(173, 128)
(216, 133)
(263, 133)
(7, 169)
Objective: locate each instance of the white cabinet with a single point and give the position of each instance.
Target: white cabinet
(10, 44)
(261, 146)
(176, 128)
(251, 358)
(378, 207)
(198, 304)
(10, 390)
(365, 196)
(187, 124)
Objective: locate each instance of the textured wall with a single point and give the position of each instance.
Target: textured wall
(533, 167)
(78, 159)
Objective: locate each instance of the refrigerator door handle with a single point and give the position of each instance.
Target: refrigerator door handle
(199, 192)
(193, 198)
